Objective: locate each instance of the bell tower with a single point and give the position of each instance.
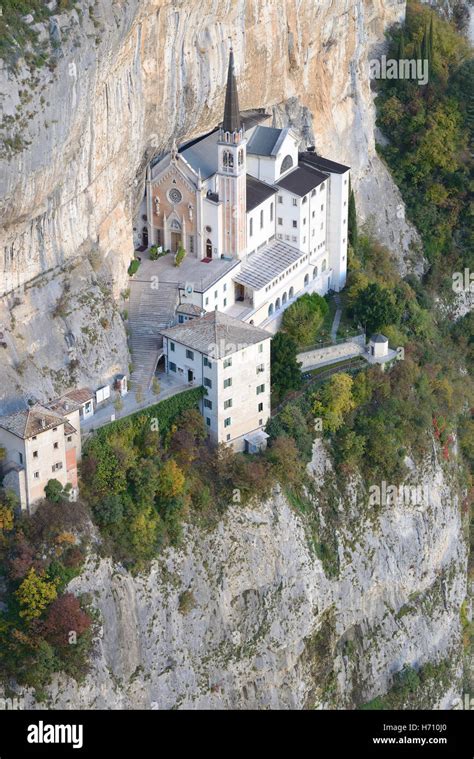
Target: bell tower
(232, 171)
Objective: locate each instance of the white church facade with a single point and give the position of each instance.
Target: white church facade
(275, 218)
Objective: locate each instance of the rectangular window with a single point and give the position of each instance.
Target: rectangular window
(172, 366)
(55, 446)
(271, 211)
(260, 407)
(260, 389)
(295, 202)
(261, 219)
(295, 224)
(225, 287)
(251, 227)
(207, 403)
(20, 458)
(35, 454)
(181, 319)
(207, 301)
(228, 382)
(280, 198)
(36, 475)
(225, 302)
(191, 244)
(280, 221)
(322, 207)
(57, 467)
(227, 422)
(260, 348)
(189, 354)
(228, 403)
(172, 346)
(227, 362)
(304, 221)
(208, 421)
(207, 382)
(216, 293)
(260, 368)
(207, 362)
(228, 437)
(69, 439)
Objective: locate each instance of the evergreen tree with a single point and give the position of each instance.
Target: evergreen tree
(352, 220)
(425, 50)
(431, 37)
(401, 47)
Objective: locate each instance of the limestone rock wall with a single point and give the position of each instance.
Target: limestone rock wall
(264, 626)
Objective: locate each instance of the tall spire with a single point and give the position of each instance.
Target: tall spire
(231, 121)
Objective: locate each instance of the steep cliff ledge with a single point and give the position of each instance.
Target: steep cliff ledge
(123, 79)
(247, 616)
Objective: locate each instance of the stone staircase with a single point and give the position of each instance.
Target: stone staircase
(149, 310)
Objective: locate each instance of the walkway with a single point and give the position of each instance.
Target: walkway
(151, 308)
(107, 413)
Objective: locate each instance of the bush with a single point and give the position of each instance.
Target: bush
(133, 268)
(180, 256)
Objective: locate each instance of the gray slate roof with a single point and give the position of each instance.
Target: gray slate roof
(27, 423)
(265, 141)
(231, 121)
(216, 334)
(257, 192)
(302, 179)
(264, 265)
(202, 154)
(379, 338)
(324, 164)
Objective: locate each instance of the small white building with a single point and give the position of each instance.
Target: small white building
(231, 360)
(378, 346)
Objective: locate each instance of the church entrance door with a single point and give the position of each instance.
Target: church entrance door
(175, 241)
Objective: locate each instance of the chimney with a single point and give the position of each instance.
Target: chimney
(43, 422)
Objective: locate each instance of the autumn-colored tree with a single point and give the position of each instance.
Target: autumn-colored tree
(65, 616)
(171, 481)
(6, 518)
(35, 594)
(334, 401)
(285, 460)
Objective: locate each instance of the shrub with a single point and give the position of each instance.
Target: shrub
(133, 268)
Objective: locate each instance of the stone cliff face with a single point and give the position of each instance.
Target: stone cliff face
(247, 616)
(129, 76)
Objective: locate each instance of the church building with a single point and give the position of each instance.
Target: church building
(269, 219)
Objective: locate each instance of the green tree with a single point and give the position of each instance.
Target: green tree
(54, 491)
(374, 308)
(303, 318)
(352, 221)
(286, 371)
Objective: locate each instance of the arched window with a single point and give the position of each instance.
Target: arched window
(291, 293)
(287, 163)
(241, 157)
(228, 159)
(306, 279)
(284, 299)
(315, 272)
(323, 266)
(270, 309)
(277, 304)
